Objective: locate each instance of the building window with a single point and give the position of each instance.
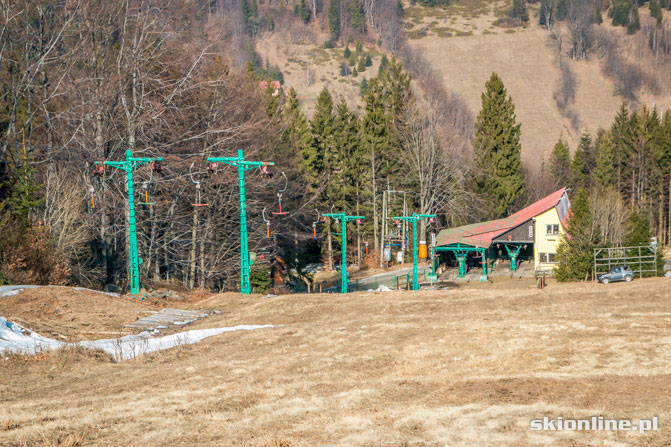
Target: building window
(547, 258)
(531, 231)
(551, 230)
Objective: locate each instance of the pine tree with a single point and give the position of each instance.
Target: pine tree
(341, 159)
(604, 172)
(622, 141)
(355, 73)
(24, 195)
(519, 11)
(357, 17)
(634, 22)
(296, 138)
(579, 172)
(497, 150)
(334, 22)
(361, 66)
(320, 127)
(369, 61)
(589, 152)
(576, 250)
(384, 62)
(347, 53)
(598, 18)
(363, 86)
(656, 11)
(560, 164)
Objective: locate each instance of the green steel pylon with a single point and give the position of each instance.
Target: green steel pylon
(128, 166)
(242, 165)
(414, 218)
(343, 218)
(513, 254)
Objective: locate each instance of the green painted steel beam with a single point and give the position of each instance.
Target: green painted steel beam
(343, 218)
(242, 165)
(128, 166)
(414, 218)
(513, 254)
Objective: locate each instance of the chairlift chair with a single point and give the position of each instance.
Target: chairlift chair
(263, 213)
(92, 191)
(145, 185)
(314, 224)
(198, 202)
(279, 197)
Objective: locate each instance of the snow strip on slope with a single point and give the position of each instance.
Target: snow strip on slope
(14, 338)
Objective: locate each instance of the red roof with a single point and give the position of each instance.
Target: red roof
(481, 234)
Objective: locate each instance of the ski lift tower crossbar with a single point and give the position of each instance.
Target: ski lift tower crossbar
(242, 165)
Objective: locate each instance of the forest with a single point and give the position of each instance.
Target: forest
(82, 82)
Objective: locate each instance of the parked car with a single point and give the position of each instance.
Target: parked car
(619, 273)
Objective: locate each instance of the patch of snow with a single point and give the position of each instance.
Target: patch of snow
(15, 338)
(13, 290)
(270, 295)
(381, 288)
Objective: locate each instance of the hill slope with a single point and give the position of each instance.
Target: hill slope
(465, 45)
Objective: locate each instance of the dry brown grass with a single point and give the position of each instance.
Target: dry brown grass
(65, 313)
(464, 367)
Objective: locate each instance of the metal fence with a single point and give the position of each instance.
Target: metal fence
(641, 259)
(394, 282)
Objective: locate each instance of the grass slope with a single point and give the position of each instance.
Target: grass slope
(469, 366)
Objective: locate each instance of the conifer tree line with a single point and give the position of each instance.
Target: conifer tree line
(105, 78)
(621, 182)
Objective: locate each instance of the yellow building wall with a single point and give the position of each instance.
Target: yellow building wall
(543, 242)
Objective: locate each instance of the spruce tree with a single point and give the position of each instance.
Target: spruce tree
(357, 16)
(361, 66)
(296, 138)
(347, 53)
(560, 164)
(497, 151)
(334, 22)
(656, 11)
(579, 172)
(519, 11)
(575, 253)
(622, 141)
(604, 172)
(598, 18)
(320, 127)
(588, 150)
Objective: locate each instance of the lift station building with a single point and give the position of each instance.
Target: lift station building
(532, 233)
